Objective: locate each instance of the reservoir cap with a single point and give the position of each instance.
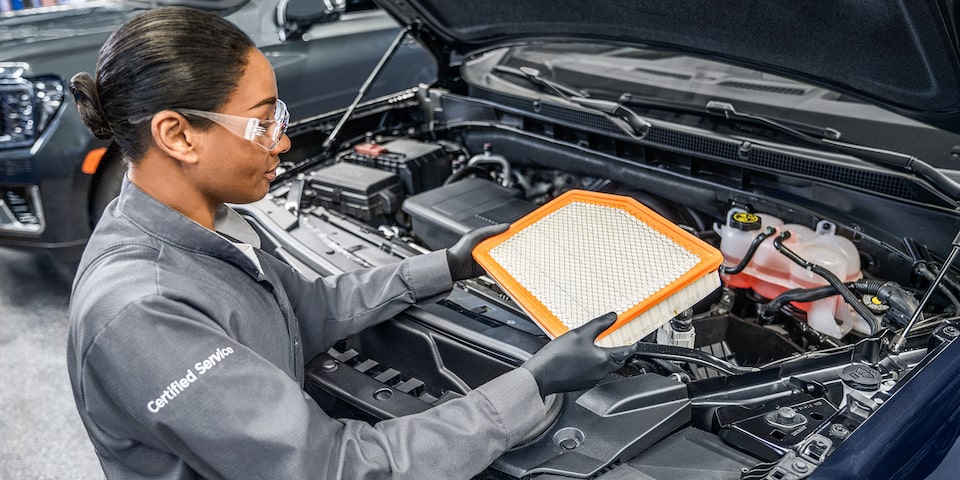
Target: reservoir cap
(745, 221)
(861, 377)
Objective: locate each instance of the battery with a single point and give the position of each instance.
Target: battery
(420, 165)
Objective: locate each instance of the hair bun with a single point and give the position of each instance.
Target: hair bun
(84, 90)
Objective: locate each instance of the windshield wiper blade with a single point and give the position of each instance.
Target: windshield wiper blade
(534, 76)
(635, 125)
(878, 156)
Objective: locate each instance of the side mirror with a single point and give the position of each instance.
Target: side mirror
(294, 17)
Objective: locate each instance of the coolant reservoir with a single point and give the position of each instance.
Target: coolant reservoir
(769, 273)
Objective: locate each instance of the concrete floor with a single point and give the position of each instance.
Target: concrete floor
(41, 436)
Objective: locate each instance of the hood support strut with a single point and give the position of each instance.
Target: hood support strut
(363, 90)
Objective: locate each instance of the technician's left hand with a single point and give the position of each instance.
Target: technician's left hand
(460, 256)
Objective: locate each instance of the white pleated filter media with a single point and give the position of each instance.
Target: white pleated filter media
(584, 260)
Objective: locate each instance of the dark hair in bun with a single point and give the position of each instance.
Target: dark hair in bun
(165, 58)
(84, 90)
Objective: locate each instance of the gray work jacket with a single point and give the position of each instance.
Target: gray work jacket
(187, 362)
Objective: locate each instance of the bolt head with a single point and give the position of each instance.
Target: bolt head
(329, 365)
(839, 430)
(786, 413)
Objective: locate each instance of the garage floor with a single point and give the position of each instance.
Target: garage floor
(41, 436)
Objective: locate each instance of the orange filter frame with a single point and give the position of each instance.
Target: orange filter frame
(584, 254)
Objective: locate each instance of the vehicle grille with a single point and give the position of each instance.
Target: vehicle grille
(20, 210)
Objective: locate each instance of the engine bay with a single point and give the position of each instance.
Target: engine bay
(764, 378)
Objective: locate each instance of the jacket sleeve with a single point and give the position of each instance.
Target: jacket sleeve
(164, 375)
(335, 307)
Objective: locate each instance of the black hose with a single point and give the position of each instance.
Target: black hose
(832, 279)
(902, 304)
(863, 286)
(920, 263)
(926, 273)
(754, 245)
(689, 355)
(951, 283)
(796, 295)
(465, 172)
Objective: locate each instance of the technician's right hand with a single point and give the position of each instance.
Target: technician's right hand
(572, 362)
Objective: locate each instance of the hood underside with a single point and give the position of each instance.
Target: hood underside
(902, 54)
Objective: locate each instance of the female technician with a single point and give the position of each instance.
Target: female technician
(187, 342)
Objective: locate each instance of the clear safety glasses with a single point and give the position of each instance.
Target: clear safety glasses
(266, 133)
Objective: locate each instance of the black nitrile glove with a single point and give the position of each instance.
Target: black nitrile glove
(460, 256)
(572, 362)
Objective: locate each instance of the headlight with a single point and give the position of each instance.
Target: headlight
(26, 105)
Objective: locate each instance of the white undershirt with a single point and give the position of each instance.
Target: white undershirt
(247, 250)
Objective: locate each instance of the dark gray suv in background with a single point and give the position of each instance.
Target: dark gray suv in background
(56, 178)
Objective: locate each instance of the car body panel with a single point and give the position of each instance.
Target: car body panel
(902, 54)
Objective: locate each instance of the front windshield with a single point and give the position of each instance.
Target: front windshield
(681, 85)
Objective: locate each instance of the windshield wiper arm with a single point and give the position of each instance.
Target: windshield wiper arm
(636, 125)
(877, 156)
(534, 76)
(727, 110)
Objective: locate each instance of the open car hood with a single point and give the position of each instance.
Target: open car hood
(901, 55)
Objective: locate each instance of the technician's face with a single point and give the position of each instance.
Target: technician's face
(234, 169)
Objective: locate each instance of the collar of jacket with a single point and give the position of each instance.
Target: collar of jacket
(170, 226)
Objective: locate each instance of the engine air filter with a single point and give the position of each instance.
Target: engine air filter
(585, 254)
